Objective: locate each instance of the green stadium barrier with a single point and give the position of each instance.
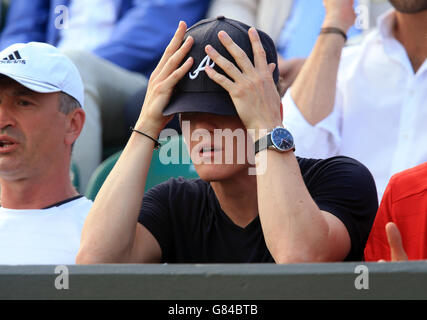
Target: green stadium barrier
(337, 281)
(75, 175)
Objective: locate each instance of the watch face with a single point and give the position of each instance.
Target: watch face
(282, 139)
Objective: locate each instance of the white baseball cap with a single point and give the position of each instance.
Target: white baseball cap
(42, 68)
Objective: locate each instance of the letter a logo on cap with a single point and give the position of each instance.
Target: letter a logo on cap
(205, 62)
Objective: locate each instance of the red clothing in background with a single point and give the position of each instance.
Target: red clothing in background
(404, 203)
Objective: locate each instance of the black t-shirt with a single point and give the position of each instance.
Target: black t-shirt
(187, 220)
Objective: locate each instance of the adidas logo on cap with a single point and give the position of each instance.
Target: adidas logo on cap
(42, 68)
(14, 57)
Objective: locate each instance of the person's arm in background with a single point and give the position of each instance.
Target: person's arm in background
(140, 37)
(314, 89)
(25, 21)
(289, 70)
(242, 10)
(248, 11)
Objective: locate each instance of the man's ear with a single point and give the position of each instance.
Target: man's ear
(76, 120)
(281, 111)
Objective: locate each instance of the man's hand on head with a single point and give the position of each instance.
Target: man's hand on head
(162, 82)
(252, 89)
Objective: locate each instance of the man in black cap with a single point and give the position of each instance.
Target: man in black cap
(291, 210)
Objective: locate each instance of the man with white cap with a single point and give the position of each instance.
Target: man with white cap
(41, 116)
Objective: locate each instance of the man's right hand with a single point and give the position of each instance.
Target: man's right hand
(162, 81)
(339, 14)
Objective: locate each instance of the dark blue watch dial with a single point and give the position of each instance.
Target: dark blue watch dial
(282, 139)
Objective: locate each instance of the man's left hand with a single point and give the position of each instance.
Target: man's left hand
(252, 90)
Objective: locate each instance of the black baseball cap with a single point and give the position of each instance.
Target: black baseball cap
(196, 92)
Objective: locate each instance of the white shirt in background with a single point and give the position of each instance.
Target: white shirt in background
(380, 111)
(45, 236)
(90, 24)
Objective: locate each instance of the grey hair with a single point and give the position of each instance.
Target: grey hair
(67, 103)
